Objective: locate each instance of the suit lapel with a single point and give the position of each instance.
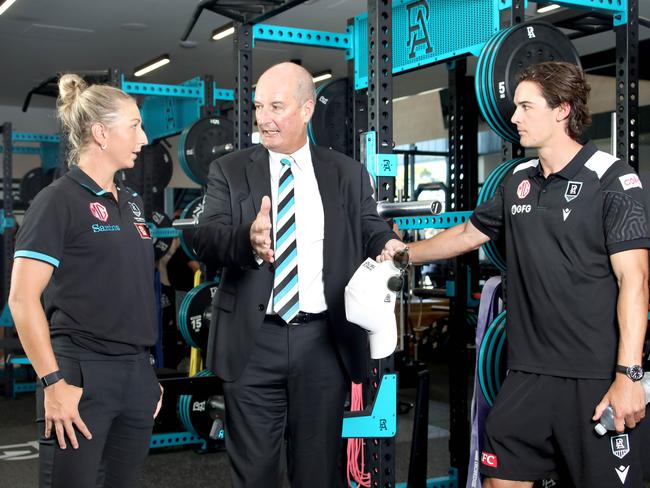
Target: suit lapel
(258, 176)
(327, 178)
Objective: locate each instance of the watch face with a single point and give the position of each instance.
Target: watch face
(635, 372)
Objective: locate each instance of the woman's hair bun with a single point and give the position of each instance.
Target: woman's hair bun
(70, 87)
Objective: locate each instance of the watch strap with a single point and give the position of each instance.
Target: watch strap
(629, 371)
(51, 378)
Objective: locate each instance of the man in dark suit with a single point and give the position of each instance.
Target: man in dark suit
(289, 223)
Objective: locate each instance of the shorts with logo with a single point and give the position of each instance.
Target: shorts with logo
(540, 427)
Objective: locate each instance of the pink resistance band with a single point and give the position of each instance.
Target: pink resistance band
(355, 446)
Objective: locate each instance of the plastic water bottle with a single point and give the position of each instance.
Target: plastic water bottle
(606, 421)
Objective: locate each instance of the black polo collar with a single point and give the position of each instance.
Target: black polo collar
(573, 167)
(79, 176)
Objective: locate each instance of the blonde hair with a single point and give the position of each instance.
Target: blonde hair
(80, 106)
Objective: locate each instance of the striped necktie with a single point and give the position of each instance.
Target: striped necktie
(285, 284)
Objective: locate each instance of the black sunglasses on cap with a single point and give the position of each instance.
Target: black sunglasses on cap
(401, 261)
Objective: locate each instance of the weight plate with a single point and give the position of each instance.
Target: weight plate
(497, 124)
(330, 124)
(201, 143)
(495, 178)
(199, 413)
(161, 244)
(495, 251)
(194, 314)
(481, 85)
(491, 362)
(193, 210)
(34, 181)
(161, 174)
(524, 45)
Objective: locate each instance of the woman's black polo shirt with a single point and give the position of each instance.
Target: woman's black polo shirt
(560, 232)
(102, 290)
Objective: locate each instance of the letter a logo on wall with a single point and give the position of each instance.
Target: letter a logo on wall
(99, 211)
(418, 13)
(572, 190)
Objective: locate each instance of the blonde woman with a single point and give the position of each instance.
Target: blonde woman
(85, 248)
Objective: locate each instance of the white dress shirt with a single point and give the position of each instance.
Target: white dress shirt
(310, 222)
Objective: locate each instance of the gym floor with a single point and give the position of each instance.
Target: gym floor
(183, 467)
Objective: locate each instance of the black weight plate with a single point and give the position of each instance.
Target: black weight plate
(192, 211)
(495, 251)
(34, 181)
(199, 412)
(161, 245)
(162, 169)
(525, 45)
(492, 358)
(330, 124)
(204, 141)
(194, 314)
(485, 91)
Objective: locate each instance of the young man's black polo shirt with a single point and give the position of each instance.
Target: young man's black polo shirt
(560, 232)
(101, 293)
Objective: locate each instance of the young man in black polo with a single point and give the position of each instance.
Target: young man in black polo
(575, 228)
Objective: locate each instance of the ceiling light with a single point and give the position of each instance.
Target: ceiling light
(221, 32)
(322, 76)
(5, 5)
(133, 26)
(547, 7)
(152, 65)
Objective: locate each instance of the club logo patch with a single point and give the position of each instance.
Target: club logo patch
(620, 446)
(135, 209)
(143, 230)
(630, 181)
(572, 190)
(99, 211)
(523, 189)
(489, 459)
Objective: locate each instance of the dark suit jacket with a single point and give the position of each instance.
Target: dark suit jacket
(352, 231)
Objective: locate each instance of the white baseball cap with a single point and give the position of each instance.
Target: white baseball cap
(370, 304)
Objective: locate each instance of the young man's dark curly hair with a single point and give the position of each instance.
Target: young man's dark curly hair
(563, 82)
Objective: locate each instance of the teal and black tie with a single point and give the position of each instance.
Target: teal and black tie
(285, 284)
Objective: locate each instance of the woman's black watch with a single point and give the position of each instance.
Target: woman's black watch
(634, 372)
(51, 378)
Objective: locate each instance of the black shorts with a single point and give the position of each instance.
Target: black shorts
(540, 428)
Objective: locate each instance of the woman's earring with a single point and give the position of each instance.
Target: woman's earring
(103, 146)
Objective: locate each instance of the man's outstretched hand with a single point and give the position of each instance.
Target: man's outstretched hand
(260, 232)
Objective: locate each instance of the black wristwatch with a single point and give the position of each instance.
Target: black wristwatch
(634, 372)
(51, 378)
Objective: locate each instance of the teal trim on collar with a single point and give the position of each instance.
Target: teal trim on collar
(77, 174)
(37, 255)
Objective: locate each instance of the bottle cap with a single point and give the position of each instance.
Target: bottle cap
(600, 429)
